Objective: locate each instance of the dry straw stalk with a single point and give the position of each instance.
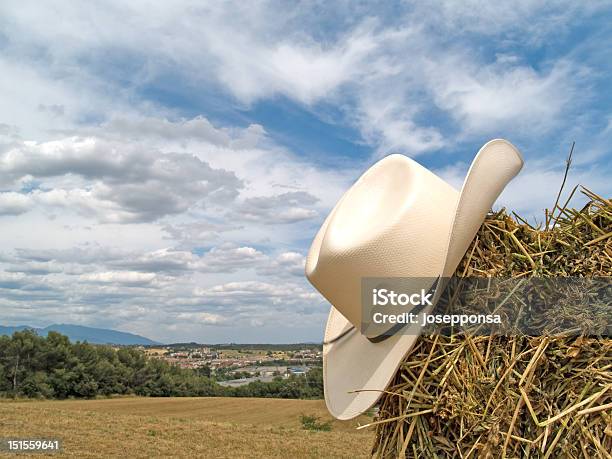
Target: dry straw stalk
(493, 396)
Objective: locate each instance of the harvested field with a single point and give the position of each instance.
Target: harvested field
(183, 427)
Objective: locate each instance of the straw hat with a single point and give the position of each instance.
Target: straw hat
(398, 220)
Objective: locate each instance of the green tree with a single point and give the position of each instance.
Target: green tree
(53, 367)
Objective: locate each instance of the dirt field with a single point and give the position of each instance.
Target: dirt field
(183, 427)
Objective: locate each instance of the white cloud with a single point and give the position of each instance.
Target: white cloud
(528, 20)
(287, 263)
(36, 100)
(229, 258)
(250, 295)
(201, 318)
(226, 258)
(253, 68)
(33, 268)
(12, 203)
(199, 233)
(119, 277)
(483, 98)
(384, 73)
(286, 207)
(119, 181)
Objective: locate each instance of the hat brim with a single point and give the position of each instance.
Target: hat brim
(357, 371)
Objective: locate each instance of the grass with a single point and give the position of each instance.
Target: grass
(314, 423)
(184, 427)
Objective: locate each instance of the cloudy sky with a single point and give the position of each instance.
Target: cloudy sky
(163, 169)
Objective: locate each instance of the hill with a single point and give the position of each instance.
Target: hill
(82, 333)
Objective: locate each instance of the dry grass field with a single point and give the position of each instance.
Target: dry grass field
(183, 427)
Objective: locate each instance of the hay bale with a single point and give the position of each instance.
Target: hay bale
(494, 396)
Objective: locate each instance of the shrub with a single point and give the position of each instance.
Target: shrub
(314, 423)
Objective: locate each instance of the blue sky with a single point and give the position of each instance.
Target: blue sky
(163, 168)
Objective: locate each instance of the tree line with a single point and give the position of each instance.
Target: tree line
(53, 367)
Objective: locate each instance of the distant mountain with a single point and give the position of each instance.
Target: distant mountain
(89, 334)
(11, 330)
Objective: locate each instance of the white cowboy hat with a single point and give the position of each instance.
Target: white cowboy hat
(398, 220)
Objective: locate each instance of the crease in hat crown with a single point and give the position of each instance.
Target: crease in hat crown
(397, 220)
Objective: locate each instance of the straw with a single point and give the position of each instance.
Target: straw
(517, 396)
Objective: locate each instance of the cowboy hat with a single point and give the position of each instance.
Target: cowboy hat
(399, 220)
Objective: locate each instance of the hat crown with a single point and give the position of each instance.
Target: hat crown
(393, 222)
(374, 203)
